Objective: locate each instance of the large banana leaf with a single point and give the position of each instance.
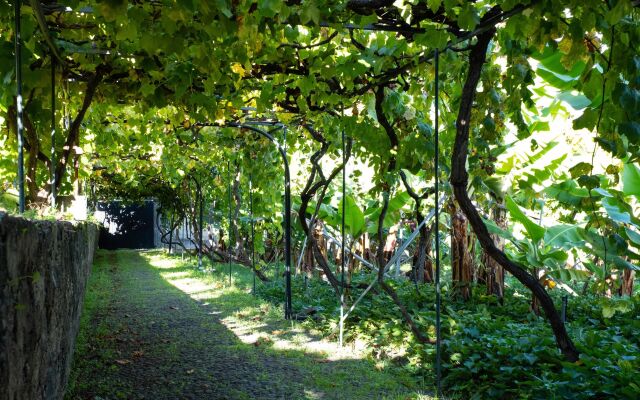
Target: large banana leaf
(535, 231)
(353, 217)
(563, 236)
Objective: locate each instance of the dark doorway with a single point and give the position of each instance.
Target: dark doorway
(126, 226)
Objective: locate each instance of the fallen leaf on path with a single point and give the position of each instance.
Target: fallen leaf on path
(138, 353)
(123, 362)
(174, 308)
(277, 332)
(191, 371)
(261, 341)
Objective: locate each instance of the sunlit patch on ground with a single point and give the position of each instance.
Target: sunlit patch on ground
(253, 325)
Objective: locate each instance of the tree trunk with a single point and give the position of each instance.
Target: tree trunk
(308, 264)
(493, 274)
(390, 243)
(460, 179)
(461, 260)
(76, 166)
(31, 135)
(367, 254)
(422, 261)
(422, 268)
(31, 145)
(626, 287)
(318, 183)
(74, 128)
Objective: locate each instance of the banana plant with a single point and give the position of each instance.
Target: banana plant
(354, 221)
(545, 248)
(354, 217)
(397, 204)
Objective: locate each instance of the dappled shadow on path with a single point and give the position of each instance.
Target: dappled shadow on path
(154, 341)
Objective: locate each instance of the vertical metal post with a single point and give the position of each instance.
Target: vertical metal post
(19, 122)
(565, 300)
(437, 230)
(229, 230)
(188, 223)
(287, 239)
(53, 134)
(201, 198)
(173, 214)
(344, 201)
(253, 246)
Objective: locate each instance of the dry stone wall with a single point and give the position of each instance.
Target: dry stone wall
(44, 266)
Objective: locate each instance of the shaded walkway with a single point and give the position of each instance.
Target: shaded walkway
(146, 339)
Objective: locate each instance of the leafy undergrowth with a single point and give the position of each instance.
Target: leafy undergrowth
(492, 350)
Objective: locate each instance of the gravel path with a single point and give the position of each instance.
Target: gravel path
(152, 341)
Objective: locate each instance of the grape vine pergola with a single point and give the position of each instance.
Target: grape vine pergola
(251, 126)
(466, 31)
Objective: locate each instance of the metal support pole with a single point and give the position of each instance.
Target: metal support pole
(288, 310)
(344, 201)
(201, 198)
(288, 314)
(565, 300)
(284, 146)
(229, 230)
(253, 247)
(173, 214)
(19, 122)
(53, 135)
(437, 230)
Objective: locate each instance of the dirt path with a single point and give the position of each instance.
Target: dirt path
(146, 339)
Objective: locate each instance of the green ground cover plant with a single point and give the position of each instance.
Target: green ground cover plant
(492, 350)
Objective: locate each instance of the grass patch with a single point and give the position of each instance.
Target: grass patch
(93, 351)
(260, 322)
(183, 322)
